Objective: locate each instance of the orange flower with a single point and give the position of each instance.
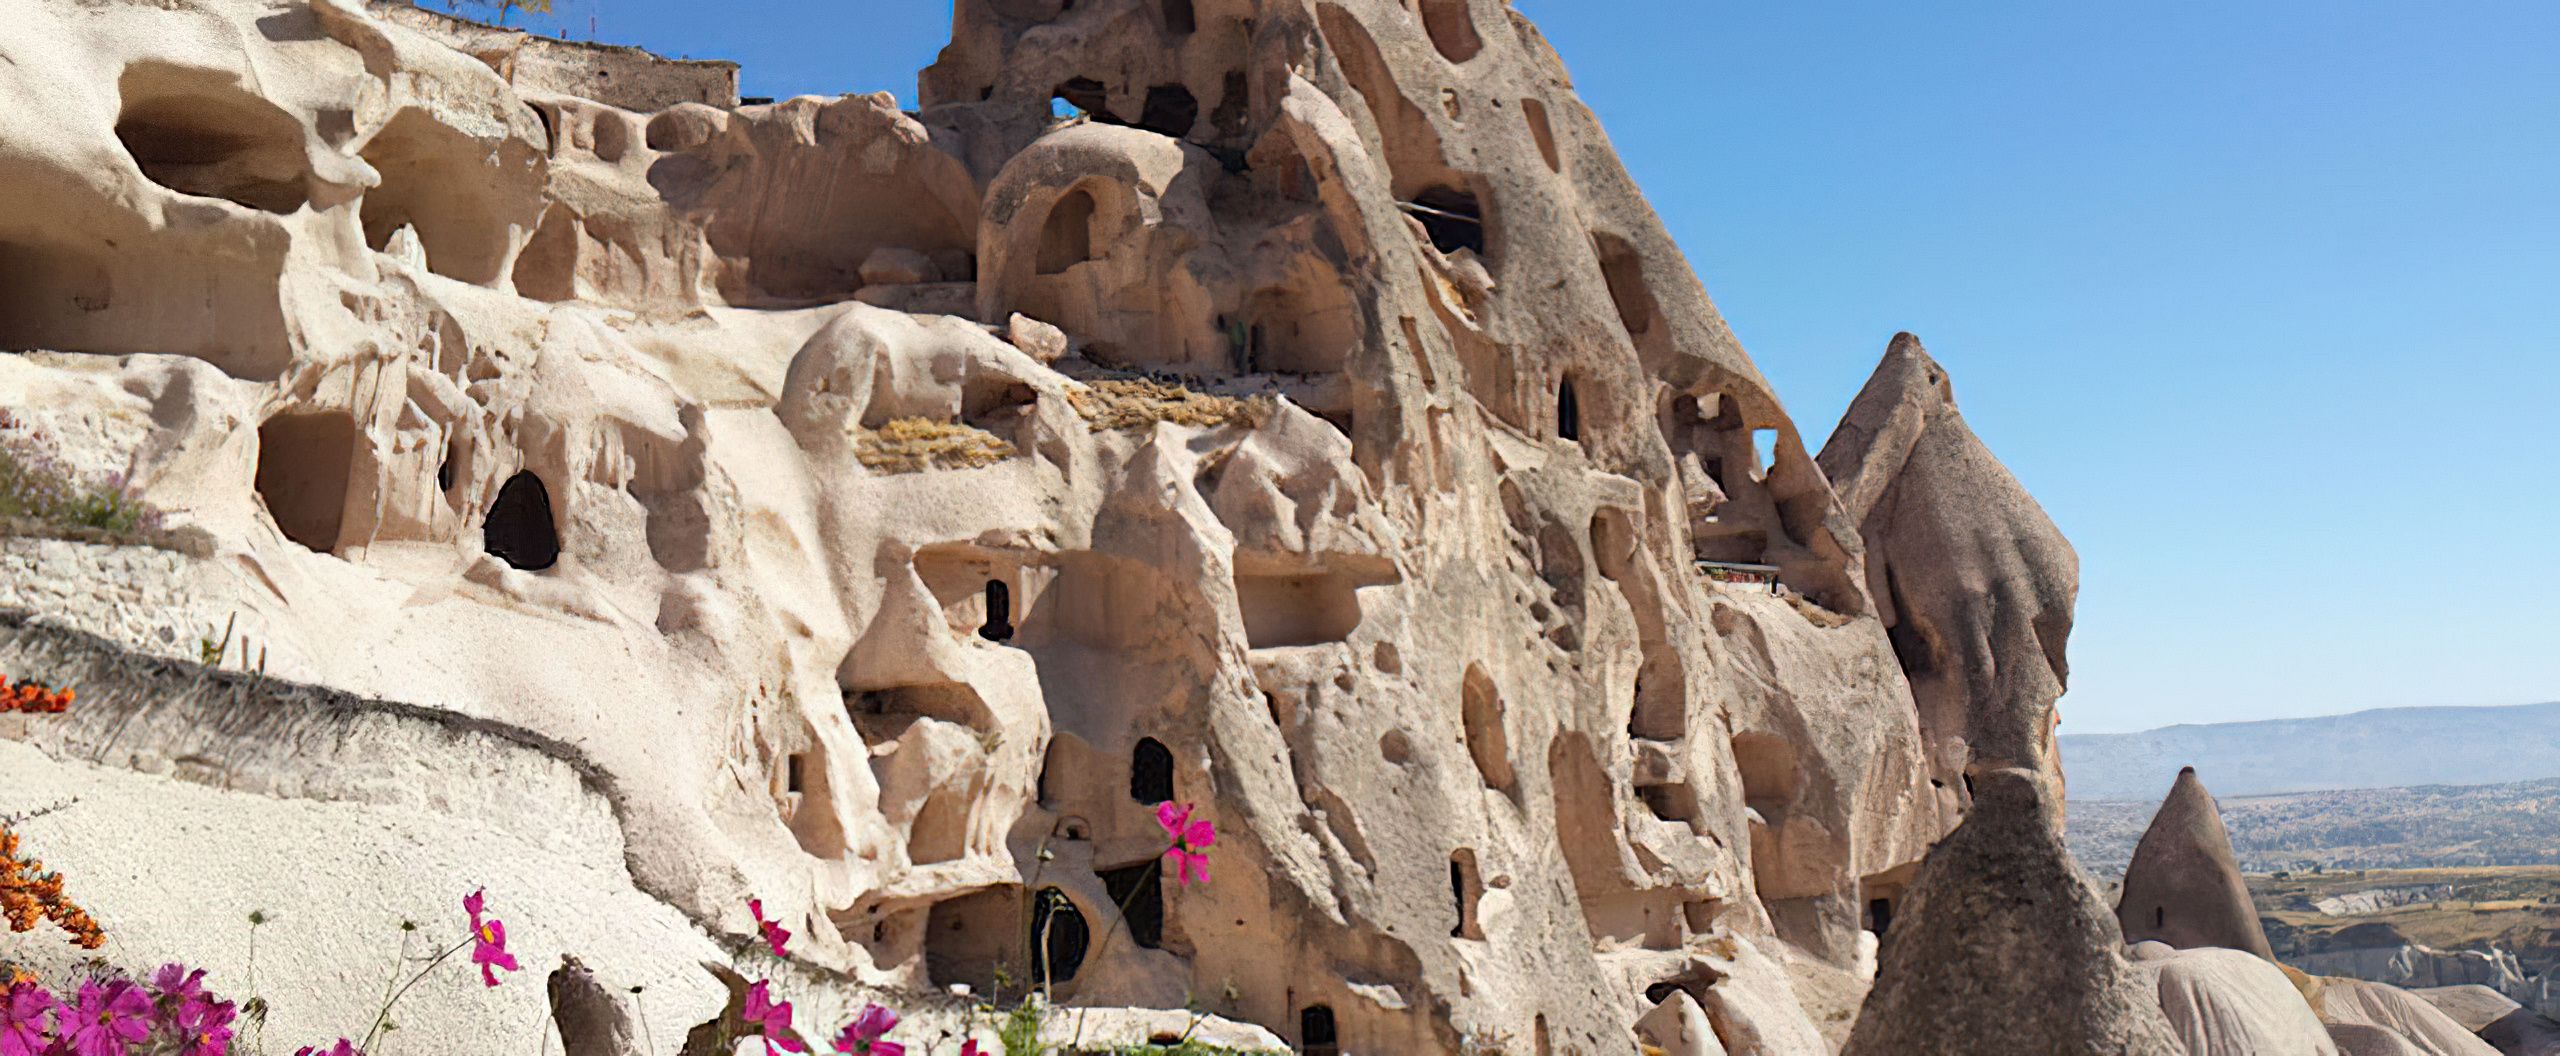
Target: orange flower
(29, 894)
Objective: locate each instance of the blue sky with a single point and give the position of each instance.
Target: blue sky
(2258, 298)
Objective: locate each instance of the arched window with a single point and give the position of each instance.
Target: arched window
(1316, 1036)
(1151, 772)
(999, 626)
(1066, 238)
(1059, 937)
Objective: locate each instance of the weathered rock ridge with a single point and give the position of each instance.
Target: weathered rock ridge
(880, 511)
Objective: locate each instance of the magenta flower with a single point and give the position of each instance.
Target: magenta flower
(342, 1048)
(772, 1019)
(488, 939)
(1191, 840)
(204, 1028)
(774, 933)
(863, 1034)
(178, 986)
(109, 1017)
(23, 1009)
(970, 1048)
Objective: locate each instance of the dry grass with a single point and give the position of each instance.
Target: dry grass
(913, 445)
(41, 498)
(1136, 403)
(1816, 614)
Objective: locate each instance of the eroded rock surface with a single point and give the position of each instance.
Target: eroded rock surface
(1973, 582)
(881, 512)
(2183, 886)
(2003, 946)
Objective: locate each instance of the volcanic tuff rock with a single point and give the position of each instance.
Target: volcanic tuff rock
(2003, 946)
(2182, 887)
(2228, 1003)
(1971, 579)
(880, 512)
(2353, 1002)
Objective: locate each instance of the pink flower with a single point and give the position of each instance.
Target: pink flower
(177, 985)
(204, 1028)
(1190, 839)
(110, 1016)
(774, 934)
(772, 1019)
(863, 1034)
(342, 1048)
(970, 1048)
(23, 1009)
(488, 940)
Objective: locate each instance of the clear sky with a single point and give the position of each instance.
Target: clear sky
(2258, 298)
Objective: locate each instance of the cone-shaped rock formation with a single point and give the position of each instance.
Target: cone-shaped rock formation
(1973, 581)
(2002, 947)
(2183, 886)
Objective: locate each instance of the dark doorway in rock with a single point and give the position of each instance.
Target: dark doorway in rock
(303, 466)
(1316, 1036)
(1179, 18)
(1879, 914)
(794, 771)
(1140, 887)
(1452, 217)
(445, 470)
(999, 626)
(1171, 110)
(2159, 916)
(1568, 411)
(1059, 937)
(1151, 772)
(1066, 238)
(520, 530)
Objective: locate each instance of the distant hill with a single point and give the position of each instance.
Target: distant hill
(2390, 748)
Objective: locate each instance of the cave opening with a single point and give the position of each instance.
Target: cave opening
(999, 625)
(1466, 887)
(1171, 110)
(520, 530)
(1316, 1033)
(304, 461)
(1568, 411)
(1453, 218)
(1140, 889)
(1066, 237)
(1059, 937)
(1151, 772)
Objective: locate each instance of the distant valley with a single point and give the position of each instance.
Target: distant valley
(2431, 826)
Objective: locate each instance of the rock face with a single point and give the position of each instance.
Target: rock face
(2182, 887)
(882, 512)
(2003, 946)
(1973, 582)
(2228, 1003)
(2523, 1032)
(2350, 1002)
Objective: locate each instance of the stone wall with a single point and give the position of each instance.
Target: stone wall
(626, 77)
